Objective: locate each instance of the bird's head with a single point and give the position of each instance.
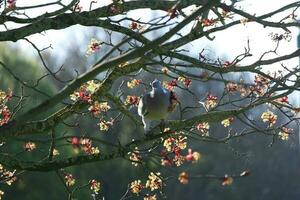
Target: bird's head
(156, 84)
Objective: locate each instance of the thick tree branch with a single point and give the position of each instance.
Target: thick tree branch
(101, 67)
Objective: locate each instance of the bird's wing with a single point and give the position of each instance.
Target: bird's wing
(142, 107)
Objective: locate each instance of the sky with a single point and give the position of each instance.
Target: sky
(229, 42)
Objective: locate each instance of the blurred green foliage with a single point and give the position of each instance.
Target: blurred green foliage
(28, 69)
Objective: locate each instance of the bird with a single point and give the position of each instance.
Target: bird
(156, 104)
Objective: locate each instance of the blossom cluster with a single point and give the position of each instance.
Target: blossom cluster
(116, 7)
(172, 13)
(85, 145)
(135, 26)
(170, 85)
(124, 64)
(203, 128)
(84, 94)
(165, 70)
(5, 113)
(183, 178)
(284, 133)
(232, 87)
(261, 85)
(132, 100)
(136, 186)
(69, 179)
(227, 122)
(104, 125)
(227, 180)
(11, 5)
(7, 176)
(96, 108)
(29, 146)
(282, 100)
(135, 157)
(269, 117)
(244, 21)
(186, 81)
(208, 22)
(95, 186)
(153, 183)
(211, 101)
(276, 37)
(172, 152)
(133, 83)
(93, 46)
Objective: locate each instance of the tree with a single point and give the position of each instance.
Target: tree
(244, 98)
